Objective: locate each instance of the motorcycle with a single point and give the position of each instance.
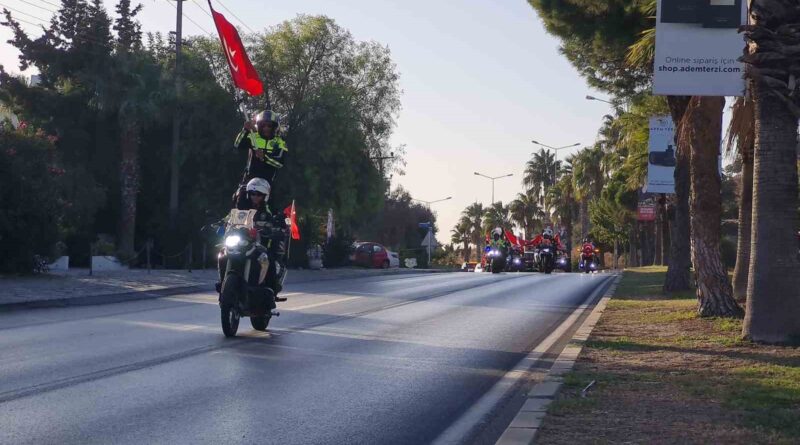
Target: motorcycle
(496, 258)
(516, 261)
(589, 259)
(562, 261)
(546, 257)
(242, 292)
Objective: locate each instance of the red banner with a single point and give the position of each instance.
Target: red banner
(242, 72)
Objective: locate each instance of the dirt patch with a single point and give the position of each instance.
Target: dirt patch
(663, 375)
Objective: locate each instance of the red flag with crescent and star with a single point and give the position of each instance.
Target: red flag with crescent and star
(242, 71)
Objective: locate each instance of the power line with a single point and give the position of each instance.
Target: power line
(235, 16)
(36, 6)
(50, 3)
(76, 37)
(190, 19)
(22, 12)
(203, 9)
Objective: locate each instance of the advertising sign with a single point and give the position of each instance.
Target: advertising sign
(646, 209)
(697, 44)
(661, 156)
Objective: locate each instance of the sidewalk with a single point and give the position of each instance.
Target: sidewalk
(78, 287)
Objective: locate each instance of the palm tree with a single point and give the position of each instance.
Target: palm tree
(540, 172)
(773, 288)
(562, 199)
(587, 181)
(741, 138)
(702, 128)
(461, 234)
(526, 212)
(640, 55)
(497, 215)
(473, 214)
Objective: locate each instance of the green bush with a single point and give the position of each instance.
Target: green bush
(39, 200)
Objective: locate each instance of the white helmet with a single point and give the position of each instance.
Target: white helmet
(497, 231)
(547, 231)
(259, 185)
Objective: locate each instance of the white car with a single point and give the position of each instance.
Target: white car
(394, 259)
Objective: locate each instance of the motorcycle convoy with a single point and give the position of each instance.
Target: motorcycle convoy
(251, 260)
(545, 253)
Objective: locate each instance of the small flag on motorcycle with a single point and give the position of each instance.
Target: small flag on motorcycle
(292, 215)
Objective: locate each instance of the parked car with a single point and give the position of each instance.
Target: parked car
(394, 259)
(469, 266)
(367, 254)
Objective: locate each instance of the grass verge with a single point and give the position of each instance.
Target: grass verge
(665, 375)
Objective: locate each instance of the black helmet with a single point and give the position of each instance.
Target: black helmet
(268, 116)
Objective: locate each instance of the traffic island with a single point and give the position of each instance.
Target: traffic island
(652, 371)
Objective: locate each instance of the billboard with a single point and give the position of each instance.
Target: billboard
(661, 156)
(697, 47)
(646, 208)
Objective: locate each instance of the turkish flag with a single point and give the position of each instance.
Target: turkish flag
(242, 71)
(511, 238)
(292, 215)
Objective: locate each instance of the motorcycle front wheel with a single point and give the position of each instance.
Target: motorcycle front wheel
(228, 313)
(260, 323)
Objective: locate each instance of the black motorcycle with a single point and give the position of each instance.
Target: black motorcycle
(242, 292)
(545, 257)
(496, 258)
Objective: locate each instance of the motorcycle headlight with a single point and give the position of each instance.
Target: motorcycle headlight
(516, 261)
(233, 241)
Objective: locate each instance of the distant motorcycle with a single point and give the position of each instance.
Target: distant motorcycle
(496, 258)
(589, 258)
(516, 261)
(562, 261)
(545, 256)
(242, 292)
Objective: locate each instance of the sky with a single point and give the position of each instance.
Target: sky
(480, 80)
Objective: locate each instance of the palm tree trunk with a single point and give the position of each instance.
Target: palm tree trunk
(584, 217)
(678, 272)
(129, 187)
(658, 256)
(703, 127)
(745, 227)
(773, 289)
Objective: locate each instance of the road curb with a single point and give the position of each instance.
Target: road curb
(120, 297)
(525, 425)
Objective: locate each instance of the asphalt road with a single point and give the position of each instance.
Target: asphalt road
(391, 359)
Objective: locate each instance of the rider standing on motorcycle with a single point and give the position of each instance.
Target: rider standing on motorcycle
(498, 240)
(266, 151)
(258, 191)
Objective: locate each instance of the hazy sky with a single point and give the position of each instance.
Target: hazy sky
(480, 79)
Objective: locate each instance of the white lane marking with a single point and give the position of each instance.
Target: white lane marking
(460, 430)
(324, 303)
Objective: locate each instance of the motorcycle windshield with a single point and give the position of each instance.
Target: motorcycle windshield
(242, 218)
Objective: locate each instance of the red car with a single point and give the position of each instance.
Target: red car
(370, 255)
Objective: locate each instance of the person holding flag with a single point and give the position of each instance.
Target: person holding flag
(266, 151)
(259, 136)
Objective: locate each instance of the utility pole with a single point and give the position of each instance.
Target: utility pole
(380, 160)
(176, 121)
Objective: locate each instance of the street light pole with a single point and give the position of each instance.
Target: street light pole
(493, 178)
(599, 100)
(555, 154)
(430, 227)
